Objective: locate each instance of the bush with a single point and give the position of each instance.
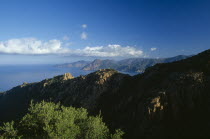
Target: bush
(49, 120)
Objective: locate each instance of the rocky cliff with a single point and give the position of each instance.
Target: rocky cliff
(168, 100)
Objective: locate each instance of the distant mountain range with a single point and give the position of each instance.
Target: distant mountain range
(77, 64)
(126, 65)
(169, 100)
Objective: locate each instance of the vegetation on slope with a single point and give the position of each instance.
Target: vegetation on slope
(53, 121)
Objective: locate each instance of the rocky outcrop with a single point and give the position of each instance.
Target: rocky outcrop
(82, 91)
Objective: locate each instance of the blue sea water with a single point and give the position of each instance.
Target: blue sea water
(14, 75)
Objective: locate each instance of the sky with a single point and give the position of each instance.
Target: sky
(61, 31)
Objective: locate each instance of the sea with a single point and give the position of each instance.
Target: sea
(14, 75)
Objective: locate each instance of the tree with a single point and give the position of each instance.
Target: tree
(50, 120)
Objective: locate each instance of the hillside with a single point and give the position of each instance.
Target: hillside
(78, 92)
(167, 100)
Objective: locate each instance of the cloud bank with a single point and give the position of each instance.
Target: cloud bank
(31, 46)
(37, 47)
(110, 51)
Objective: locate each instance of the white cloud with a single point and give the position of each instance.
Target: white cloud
(83, 36)
(109, 51)
(65, 38)
(84, 26)
(153, 49)
(31, 46)
(35, 46)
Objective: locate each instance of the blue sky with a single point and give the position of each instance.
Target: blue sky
(58, 31)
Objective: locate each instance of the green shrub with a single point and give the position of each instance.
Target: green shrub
(53, 121)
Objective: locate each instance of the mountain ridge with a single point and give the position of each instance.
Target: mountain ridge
(137, 65)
